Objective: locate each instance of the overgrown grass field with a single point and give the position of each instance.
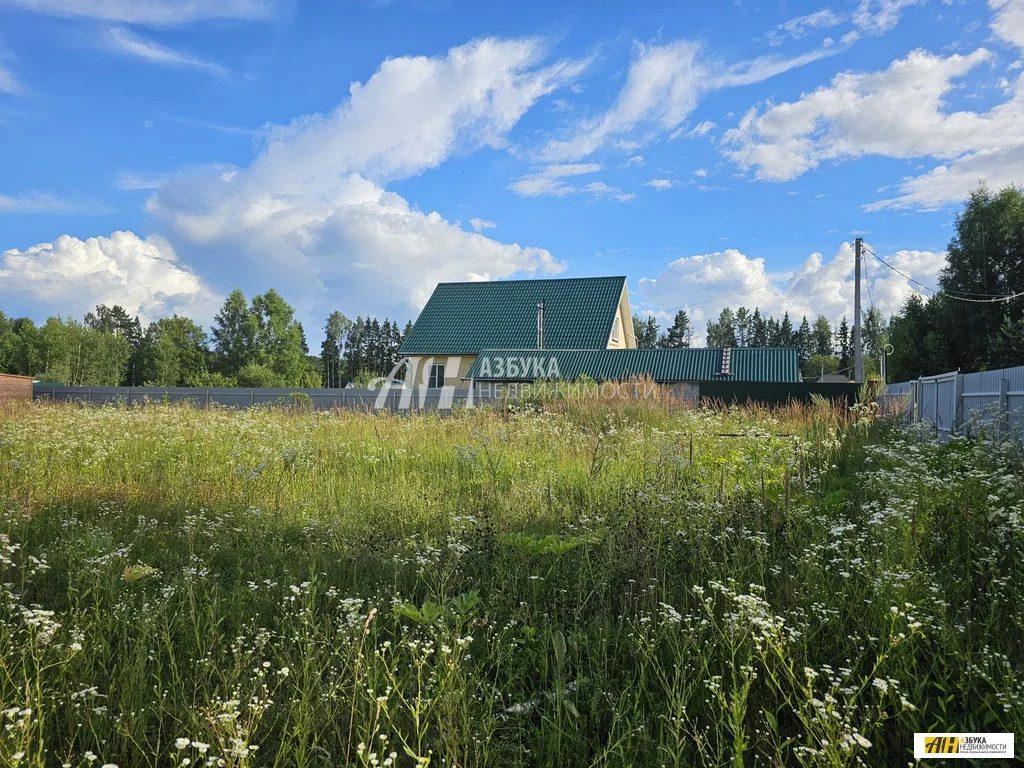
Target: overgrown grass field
(581, 584)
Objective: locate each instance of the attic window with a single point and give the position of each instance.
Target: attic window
(615, 329)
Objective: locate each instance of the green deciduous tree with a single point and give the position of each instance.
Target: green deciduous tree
(174, 353)
(818, 365)
(722, 332)
(984, 257)
(821, 337)
(333, 348)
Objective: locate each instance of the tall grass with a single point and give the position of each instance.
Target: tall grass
(577, 584)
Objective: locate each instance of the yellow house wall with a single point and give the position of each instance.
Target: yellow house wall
(626, 339)
(456, 367)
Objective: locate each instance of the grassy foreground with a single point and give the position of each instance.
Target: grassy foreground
(587, 585)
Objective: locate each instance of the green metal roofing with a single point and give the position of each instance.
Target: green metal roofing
(464, 318)
(663, 365)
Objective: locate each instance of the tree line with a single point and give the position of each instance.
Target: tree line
(256, 343)
(821, 348)
(963, 324)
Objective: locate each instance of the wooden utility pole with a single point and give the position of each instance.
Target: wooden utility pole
(858, 348)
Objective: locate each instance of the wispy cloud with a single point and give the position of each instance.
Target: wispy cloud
(802, 25)
(125, 41)
(45, 202)
(8, 82)
(132, 180)
(151, 12)
(212, 126)
(479, 225)
(876, 17)
(549, 181)
(664, 85)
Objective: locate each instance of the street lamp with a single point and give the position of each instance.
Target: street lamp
(887, 350)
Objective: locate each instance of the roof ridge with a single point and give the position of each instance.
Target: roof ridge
(531, 280)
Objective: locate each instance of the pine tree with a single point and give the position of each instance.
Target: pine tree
(742, 325)
(845, 347)
(804, 341)
(787, 337)
(680, 334)
(645, 332)
(758, 330)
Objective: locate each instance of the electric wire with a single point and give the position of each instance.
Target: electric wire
(992, 297)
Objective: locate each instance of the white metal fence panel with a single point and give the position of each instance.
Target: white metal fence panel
(964, 403)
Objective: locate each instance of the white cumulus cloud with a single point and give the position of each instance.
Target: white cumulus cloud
(899, 112)
(1008, 21)
(479, 225)
(70, 276)
(311, 213)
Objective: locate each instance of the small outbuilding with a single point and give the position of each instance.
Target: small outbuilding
(14, 387)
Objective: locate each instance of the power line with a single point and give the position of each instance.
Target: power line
(993, 298)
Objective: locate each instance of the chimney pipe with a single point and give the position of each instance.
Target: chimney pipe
(540, 324)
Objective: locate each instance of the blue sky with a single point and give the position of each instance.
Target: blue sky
(352, 154)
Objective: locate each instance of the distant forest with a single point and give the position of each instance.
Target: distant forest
(964, 323)
(251, 344)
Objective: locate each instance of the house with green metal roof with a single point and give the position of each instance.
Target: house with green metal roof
(522, 330)
(460, 320)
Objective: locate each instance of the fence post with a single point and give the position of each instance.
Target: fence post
(918, 399)
(958, 402)
(1004, 407)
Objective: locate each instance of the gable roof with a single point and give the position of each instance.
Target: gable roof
(662, 365)
(465, 318)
